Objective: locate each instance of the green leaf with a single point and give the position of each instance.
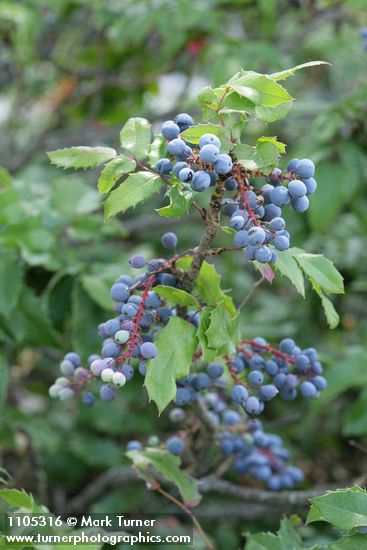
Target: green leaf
(209, 354)
(98, 290)
(208, 102)
(263, 541)
(259, 89)
(235, 103)
(219, 333)
(288, 266)
(113, 171)
(168, 466)
(351, 542)
(137, 188)
(287, 538)
(179, 202)
(321, 270)
(194, 133)
(17, 498)
(5, 177)
(11, 277)
(282, 75)
(85, 316)
(355, 421)
(176, 344)
(136, 137)
(81, 157)
(345, 509)
(263, 156)
(271, 114)
(331, 314)
(177, 296)
(3, 384)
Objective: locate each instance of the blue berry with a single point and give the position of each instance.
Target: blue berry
(127, 371)
(239, 394)
(164, 166)
(311, 185)
(209, 153)
(73, 358)
(134, 446)
(119, 292)
(183, 397)
(231, 418)
(223, 164)
(169, 240)
(301, 204)
(175, 445)
(292, 165)
(148, 350)
(88, 399)
(137, 261)
(305, 168)
(111, 327)
(268, 392)
(319, 382)
(215, 370)
(230, 184)
(209, 139)
(176, 147)
(107, 393)
(170, 130)
(256, 236)
(183, 121)
(296, 189)
(153, 300)
(200, 181)
(256, 378)
(67, 368)
(252, 405)
(280, 196)
(202, 381)
(110, 349)
(178, 167)
(281, 242)
(308, 390)
(128, 311)
(241, 239)
(186, 174)
(271, 211)
(263, 254)
(237, 222)
(277, 224)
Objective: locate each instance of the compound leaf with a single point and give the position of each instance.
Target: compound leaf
(136, 137)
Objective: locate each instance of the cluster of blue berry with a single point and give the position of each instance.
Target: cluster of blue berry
(255, 213)
(128, 336)
(200, 166)
(259, 373)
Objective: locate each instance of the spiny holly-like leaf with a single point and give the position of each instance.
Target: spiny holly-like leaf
(282, 75)
(81, 157)
(167, 465)
(209, 354)
(136, 137)
(345, 509)
(271, 114)
(321, 270)
(17, 498)
(137, 188)
(259, 89)
(177, 296)
(219, 333)
(263, 156)
(113, 171)
(288, 266)
(180, 201)
(176, 344)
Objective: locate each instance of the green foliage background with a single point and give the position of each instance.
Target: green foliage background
(71, 73)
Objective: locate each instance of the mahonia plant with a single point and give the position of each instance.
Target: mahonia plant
(174, 325)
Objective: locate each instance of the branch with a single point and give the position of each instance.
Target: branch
(123, 476)
(212, 227)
